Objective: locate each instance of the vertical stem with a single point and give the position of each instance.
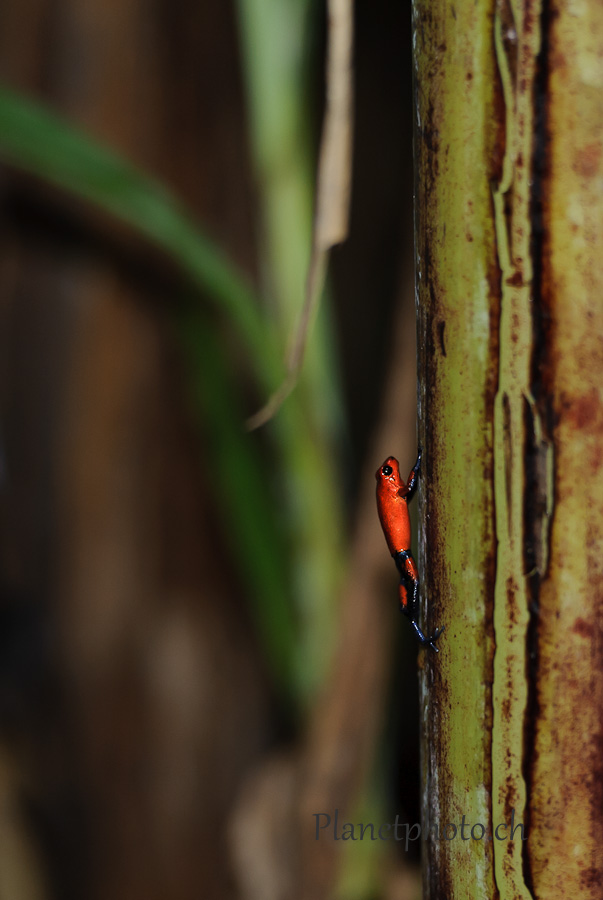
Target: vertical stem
(509, 233)
(274, 40)
(564, 764)
(517, 425)
(457, 127)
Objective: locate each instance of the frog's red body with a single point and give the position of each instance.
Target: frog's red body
(392, 505)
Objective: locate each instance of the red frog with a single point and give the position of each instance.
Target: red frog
(392, 505)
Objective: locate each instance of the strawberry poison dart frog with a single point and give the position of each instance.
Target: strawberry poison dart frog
(392, 504)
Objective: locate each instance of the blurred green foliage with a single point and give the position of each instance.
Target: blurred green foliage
(280, 498)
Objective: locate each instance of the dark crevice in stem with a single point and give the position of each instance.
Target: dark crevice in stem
(535, 470)
(499, 149)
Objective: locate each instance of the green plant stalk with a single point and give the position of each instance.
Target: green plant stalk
(510, 265)
(274, 39)
(457, 294)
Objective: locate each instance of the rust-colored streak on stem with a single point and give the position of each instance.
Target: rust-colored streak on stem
(565, 772)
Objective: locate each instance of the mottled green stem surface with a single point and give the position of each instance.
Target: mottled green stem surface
(509, 242)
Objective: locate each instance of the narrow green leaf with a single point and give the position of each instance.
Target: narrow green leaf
(249, 521)
(36, 140)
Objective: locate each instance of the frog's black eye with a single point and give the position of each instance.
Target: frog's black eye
(387, 471)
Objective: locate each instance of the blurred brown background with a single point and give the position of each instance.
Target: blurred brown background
(144, 749)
